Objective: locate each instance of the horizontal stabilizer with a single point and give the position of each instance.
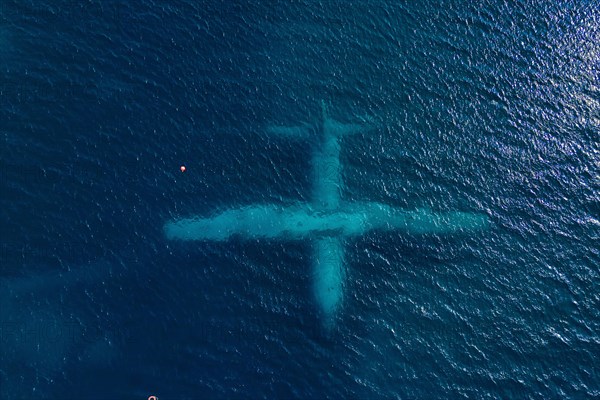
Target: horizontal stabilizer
(291, 132)
(340, 129)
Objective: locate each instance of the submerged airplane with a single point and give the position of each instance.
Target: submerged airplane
(327, 221)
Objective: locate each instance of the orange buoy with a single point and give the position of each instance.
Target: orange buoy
(182, 168)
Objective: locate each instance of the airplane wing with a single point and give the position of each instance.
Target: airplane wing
(382, 217)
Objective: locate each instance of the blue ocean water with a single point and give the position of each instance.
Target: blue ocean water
(491, 107)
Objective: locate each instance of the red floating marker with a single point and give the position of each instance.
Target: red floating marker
(182, 168)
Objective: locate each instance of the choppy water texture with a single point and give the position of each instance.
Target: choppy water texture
(491, 108)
